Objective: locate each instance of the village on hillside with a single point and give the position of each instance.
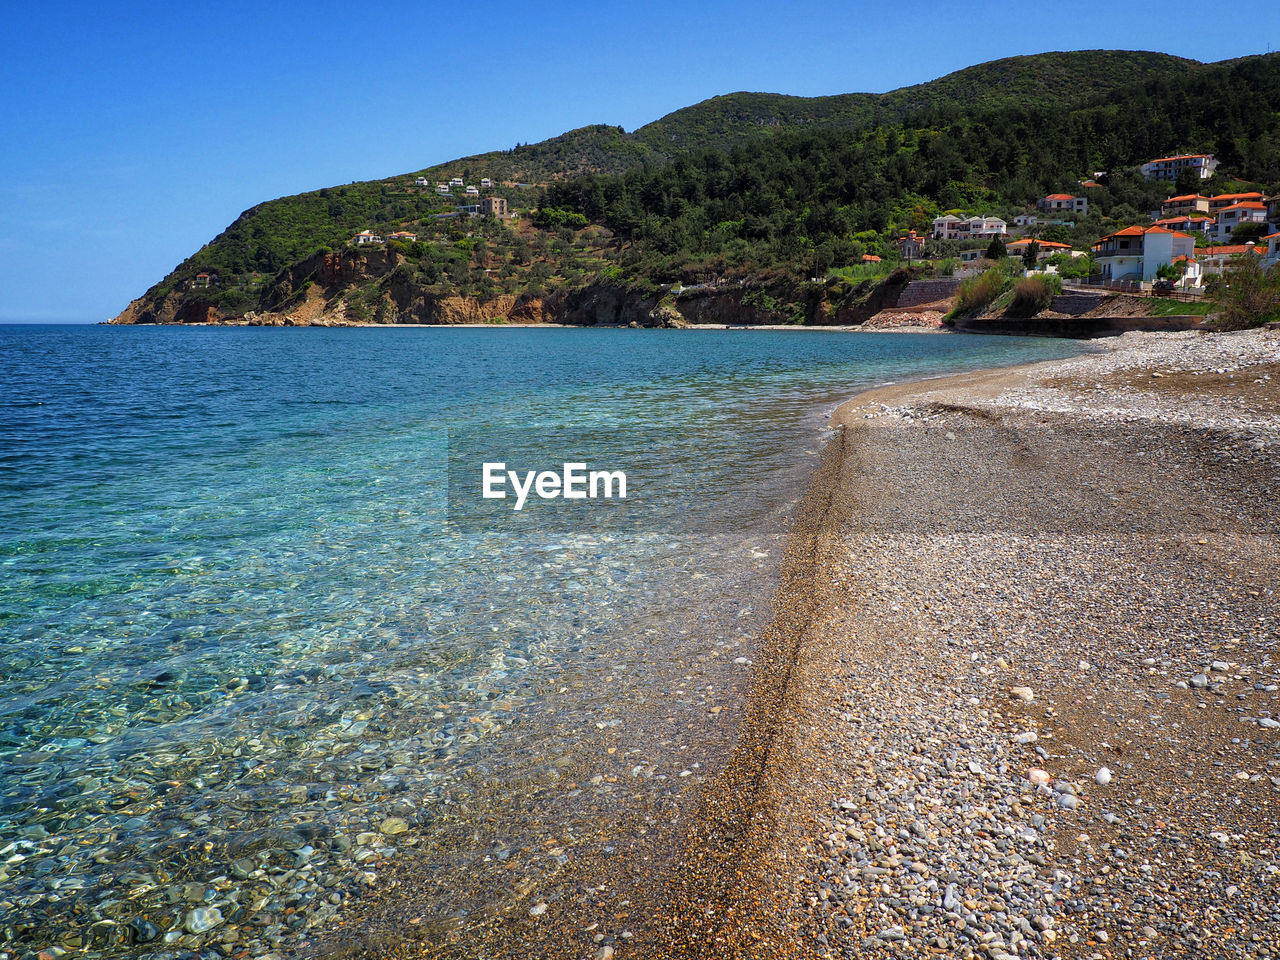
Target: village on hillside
(1182, 246)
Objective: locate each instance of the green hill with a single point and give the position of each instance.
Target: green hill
(755, 181)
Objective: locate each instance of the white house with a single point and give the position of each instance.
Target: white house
(486, 183)
(366, 237)
(1136, 253)
(442, 189)
(473, 191)
(422, 182)
(952, 227)
(1273, 250)
(1228, 199)
(456, 182)
(1168, 168)
(1248, 211)
(403, 235)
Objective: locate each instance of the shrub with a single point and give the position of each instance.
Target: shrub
(1247, 296)
(976, 292)
(1033, 294)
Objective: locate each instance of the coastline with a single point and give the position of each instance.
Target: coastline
(1064, 527)
(1095, 534)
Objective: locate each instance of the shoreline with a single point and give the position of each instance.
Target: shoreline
(917, 640)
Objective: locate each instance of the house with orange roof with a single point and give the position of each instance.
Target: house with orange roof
(1246, 211)
(1184, 205)
(1060, 202)
(1044, 248)
(1227, 199)
(911, 247)
(1168, 168)
(1136, 253)
(1215, 259)
(1272, 256)
(1188, 224)
(403, 236)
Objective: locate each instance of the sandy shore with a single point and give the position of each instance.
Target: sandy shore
(1034, 707)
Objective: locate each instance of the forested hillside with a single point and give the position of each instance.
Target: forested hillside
(754, 182)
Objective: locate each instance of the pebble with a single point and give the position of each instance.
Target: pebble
(1103, 776)
(202, 919)
(1025, 694)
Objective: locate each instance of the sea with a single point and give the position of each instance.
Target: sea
(267, 650)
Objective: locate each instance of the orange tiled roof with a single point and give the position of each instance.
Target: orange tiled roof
(1183, 156)
(1026, 241)
(1186, 196)
(1272, 237)
(1229, 250)
(870, 258)
(1060, 196)
(1246, 205)
(1237, 196)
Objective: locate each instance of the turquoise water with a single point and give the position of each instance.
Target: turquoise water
(253, 661)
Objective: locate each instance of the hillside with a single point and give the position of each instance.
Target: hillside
(736, 184)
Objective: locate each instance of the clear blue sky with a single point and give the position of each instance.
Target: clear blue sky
(133, 133)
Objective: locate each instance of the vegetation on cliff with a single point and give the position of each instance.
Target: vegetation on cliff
(752, 185)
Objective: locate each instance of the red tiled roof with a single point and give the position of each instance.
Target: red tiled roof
(870, 258)
(1059, 196)
(1237, 196)
(1228, 250)
(1183, 156)
(1186, 196)
(1027, 241)
(1272, 237)
(1245, 205)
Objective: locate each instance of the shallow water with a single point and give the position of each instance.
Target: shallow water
(254, 652)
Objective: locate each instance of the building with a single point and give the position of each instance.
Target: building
(442, 189)
(1189, 224)
(202, 280)
(1248, 211)
(365, 237)
(1228, 199)
(472, 191)
(494, 207)
(456, 182)
(486, 183)
(870, 258)
(1168, 168)
(1090, 184)
(952, 227)
(1273, 210)
(469, 209)
(404, 236)
(1273, 250)
(1192, 271)
(422, 182)
(1044, 248)
(1136, 253)
(1184, 205)
(1064, 202)
(1215, 259)
(911, 247)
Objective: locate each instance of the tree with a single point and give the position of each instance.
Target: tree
(1030, 255)
(1247, 232)
(996, 250)
(1188, 181)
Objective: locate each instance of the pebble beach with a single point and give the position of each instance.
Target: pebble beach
(1036, 709)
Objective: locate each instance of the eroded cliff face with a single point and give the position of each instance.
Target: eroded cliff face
(377, 285)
